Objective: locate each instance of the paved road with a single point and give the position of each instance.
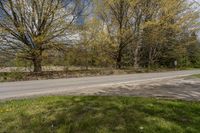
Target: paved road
(43, 87)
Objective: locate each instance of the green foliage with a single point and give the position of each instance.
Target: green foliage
(196, 76)
(116, 33)
(11, 76)
(99, 114)
(158, 36)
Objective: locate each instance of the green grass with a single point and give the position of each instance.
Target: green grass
(99, 115)
(195, 76)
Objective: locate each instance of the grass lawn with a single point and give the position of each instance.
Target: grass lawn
(99, 115)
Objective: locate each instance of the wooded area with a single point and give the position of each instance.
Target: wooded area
(99, 33)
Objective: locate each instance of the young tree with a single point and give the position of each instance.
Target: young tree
(116, 16)
(33, 26)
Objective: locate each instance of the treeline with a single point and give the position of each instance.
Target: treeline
(101, 33)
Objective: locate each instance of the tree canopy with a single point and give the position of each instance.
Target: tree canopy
(114, 33)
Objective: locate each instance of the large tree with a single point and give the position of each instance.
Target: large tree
(33, 26)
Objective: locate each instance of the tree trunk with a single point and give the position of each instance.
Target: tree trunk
(37, 64)
(119, 66)
(136, 65)
(137, 49)
(119, 60)
(150, 59)
(37, 61)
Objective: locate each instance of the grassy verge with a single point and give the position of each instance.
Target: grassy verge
(99, 115)
(195, 76)
(23, 76)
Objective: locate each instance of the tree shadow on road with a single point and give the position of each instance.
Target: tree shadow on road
(179, 90)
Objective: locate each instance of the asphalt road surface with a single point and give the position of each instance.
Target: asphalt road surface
(64, 86)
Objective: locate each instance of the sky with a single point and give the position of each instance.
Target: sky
(199, 18)
(198, 6)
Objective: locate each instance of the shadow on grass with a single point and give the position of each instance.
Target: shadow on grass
(99, 114)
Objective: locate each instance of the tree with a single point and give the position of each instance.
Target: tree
(33, 26)
(116, 16)
(162, 27)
